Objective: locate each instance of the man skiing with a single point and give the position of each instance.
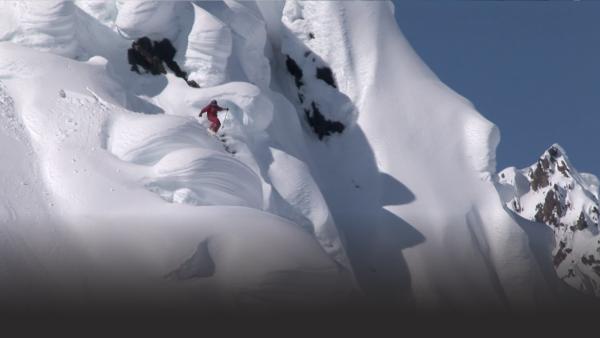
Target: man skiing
(211, 111)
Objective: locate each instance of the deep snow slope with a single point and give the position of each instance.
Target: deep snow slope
(344, 167)
(148, 199)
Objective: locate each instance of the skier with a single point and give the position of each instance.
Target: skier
(211, 111)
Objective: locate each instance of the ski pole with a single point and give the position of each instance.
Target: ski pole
(225, 119)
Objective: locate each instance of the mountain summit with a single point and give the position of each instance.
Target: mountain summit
(553, 192)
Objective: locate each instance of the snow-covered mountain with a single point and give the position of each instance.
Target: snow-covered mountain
(551, 191)
(344, 169)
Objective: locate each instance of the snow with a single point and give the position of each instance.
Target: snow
(104, 11)
(430, 149)
(85, 136)
(47, 25)
(591, 183)
(553, 192)
(400, 205)
(154, 19)
(209, 47)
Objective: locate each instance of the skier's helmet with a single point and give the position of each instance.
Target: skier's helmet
(213, 102)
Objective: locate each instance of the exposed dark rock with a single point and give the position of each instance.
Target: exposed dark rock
(199, 265)
(545, 163)
(589, 260)
(325, 74)
(321, 126)
(551, 211)
(554, 153)
(563, 168)
(311, 35)
(295, 70)
(142, 54)
(560, 255)
(517, 206)
(581, 222)
(151, 55)
(539, 177)
(307, 53)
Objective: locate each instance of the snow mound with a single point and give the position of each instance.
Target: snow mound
(189, 165)
(250, 109)
(553, 192)
(49, 26)
(145, 139)
(204, 177)
(209, 45)
(153, 19)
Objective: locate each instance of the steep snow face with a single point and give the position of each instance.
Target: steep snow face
(250, 41)
(45, 25)
(326, 109)
(209, 45)
(551, 191)
(423, 221)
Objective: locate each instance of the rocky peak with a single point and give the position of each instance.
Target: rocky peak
(553, 192)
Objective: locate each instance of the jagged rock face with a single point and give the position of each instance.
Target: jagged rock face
(552, 192)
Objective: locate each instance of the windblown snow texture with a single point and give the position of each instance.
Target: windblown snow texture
(345, 168)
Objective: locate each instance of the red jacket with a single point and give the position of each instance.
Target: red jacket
(211, 110)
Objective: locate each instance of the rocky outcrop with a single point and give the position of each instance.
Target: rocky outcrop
(552, 192)
(312, 85)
